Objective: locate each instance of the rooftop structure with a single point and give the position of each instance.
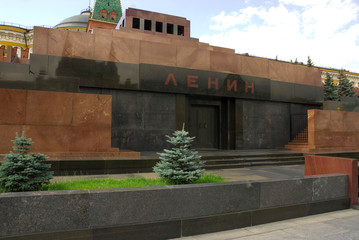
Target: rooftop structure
(76, 23)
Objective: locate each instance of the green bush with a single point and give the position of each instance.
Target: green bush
(180, 165)
(24, 171)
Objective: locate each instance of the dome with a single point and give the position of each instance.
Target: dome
(75, 23)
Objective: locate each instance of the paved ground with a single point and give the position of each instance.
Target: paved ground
(340, 225)
(237, 174)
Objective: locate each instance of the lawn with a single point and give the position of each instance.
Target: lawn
(119, 183)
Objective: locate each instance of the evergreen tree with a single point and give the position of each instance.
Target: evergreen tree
(180, 165)
(345, 88)
(330, 90)
(310, 62)
(296, 61)
(24, 171)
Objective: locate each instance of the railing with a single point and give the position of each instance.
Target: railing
(22, 26)
(16, 25)
(298, 124)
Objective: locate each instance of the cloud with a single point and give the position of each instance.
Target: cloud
(326, 30)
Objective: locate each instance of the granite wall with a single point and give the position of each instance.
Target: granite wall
(268, 125)
(166, 212)
(324, 165)
(333, 130)
(56, 122)
(140, 120)
(137, 47)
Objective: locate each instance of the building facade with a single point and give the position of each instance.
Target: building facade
(160, 78)
(159, 81)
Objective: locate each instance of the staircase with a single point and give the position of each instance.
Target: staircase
(300, 142)
(226, 162)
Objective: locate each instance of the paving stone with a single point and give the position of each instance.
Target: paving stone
(275, 235)
(271, 227)
(310, 231)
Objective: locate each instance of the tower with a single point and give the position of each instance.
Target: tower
(106, 14)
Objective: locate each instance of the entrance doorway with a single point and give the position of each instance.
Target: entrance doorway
(204, 125)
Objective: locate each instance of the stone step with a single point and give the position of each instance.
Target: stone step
(254, 164)
(252, 159)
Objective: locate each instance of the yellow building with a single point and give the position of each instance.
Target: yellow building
(352, 77)
(17, 37)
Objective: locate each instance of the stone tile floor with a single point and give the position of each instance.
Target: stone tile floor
(339, 225)
(236, 174)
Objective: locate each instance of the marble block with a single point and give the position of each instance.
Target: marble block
(157, 53)
(48, 108)
(193, 57)
(91, 110)
(13, 106)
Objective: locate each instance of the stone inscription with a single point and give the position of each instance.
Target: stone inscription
(199, 82)
(192, 81)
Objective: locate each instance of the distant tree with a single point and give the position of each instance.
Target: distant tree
(345, 88)
(296, 61)
(310, 62)
(330, 90)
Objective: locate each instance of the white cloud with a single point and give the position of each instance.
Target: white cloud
(326, 30)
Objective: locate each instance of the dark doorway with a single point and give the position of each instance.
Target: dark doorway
(204, 125)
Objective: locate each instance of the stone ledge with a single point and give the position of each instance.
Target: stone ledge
(51, 212)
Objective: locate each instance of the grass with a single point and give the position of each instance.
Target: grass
(119, 183)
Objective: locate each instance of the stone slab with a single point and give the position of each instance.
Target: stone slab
(321, 165)
(325, 188)
(167, 211)
(152, 231)
(216, 223)
(333, 130)
(48, 108)
(297, 191)
(41, 40)
(170, 203)
(57, 122)
(48, 138)
(13, 106)
(37, 212)
(8, 133)
(91, 110)
(79, 45)
(157, 53)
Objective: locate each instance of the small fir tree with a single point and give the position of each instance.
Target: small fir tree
(180, 165)
(345, 88)
(310, 62)
(330, 90)
(24, 171)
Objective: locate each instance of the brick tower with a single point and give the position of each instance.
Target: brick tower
(106, 14)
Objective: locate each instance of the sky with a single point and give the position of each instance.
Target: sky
(325, 30)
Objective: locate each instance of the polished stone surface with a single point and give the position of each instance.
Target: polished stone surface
(156, 49)
(296, 192)
(322, 165)
(56, 122)
(153, 208)
(333, 130)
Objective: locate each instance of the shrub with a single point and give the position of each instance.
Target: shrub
(24, 171)
(180, 165)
